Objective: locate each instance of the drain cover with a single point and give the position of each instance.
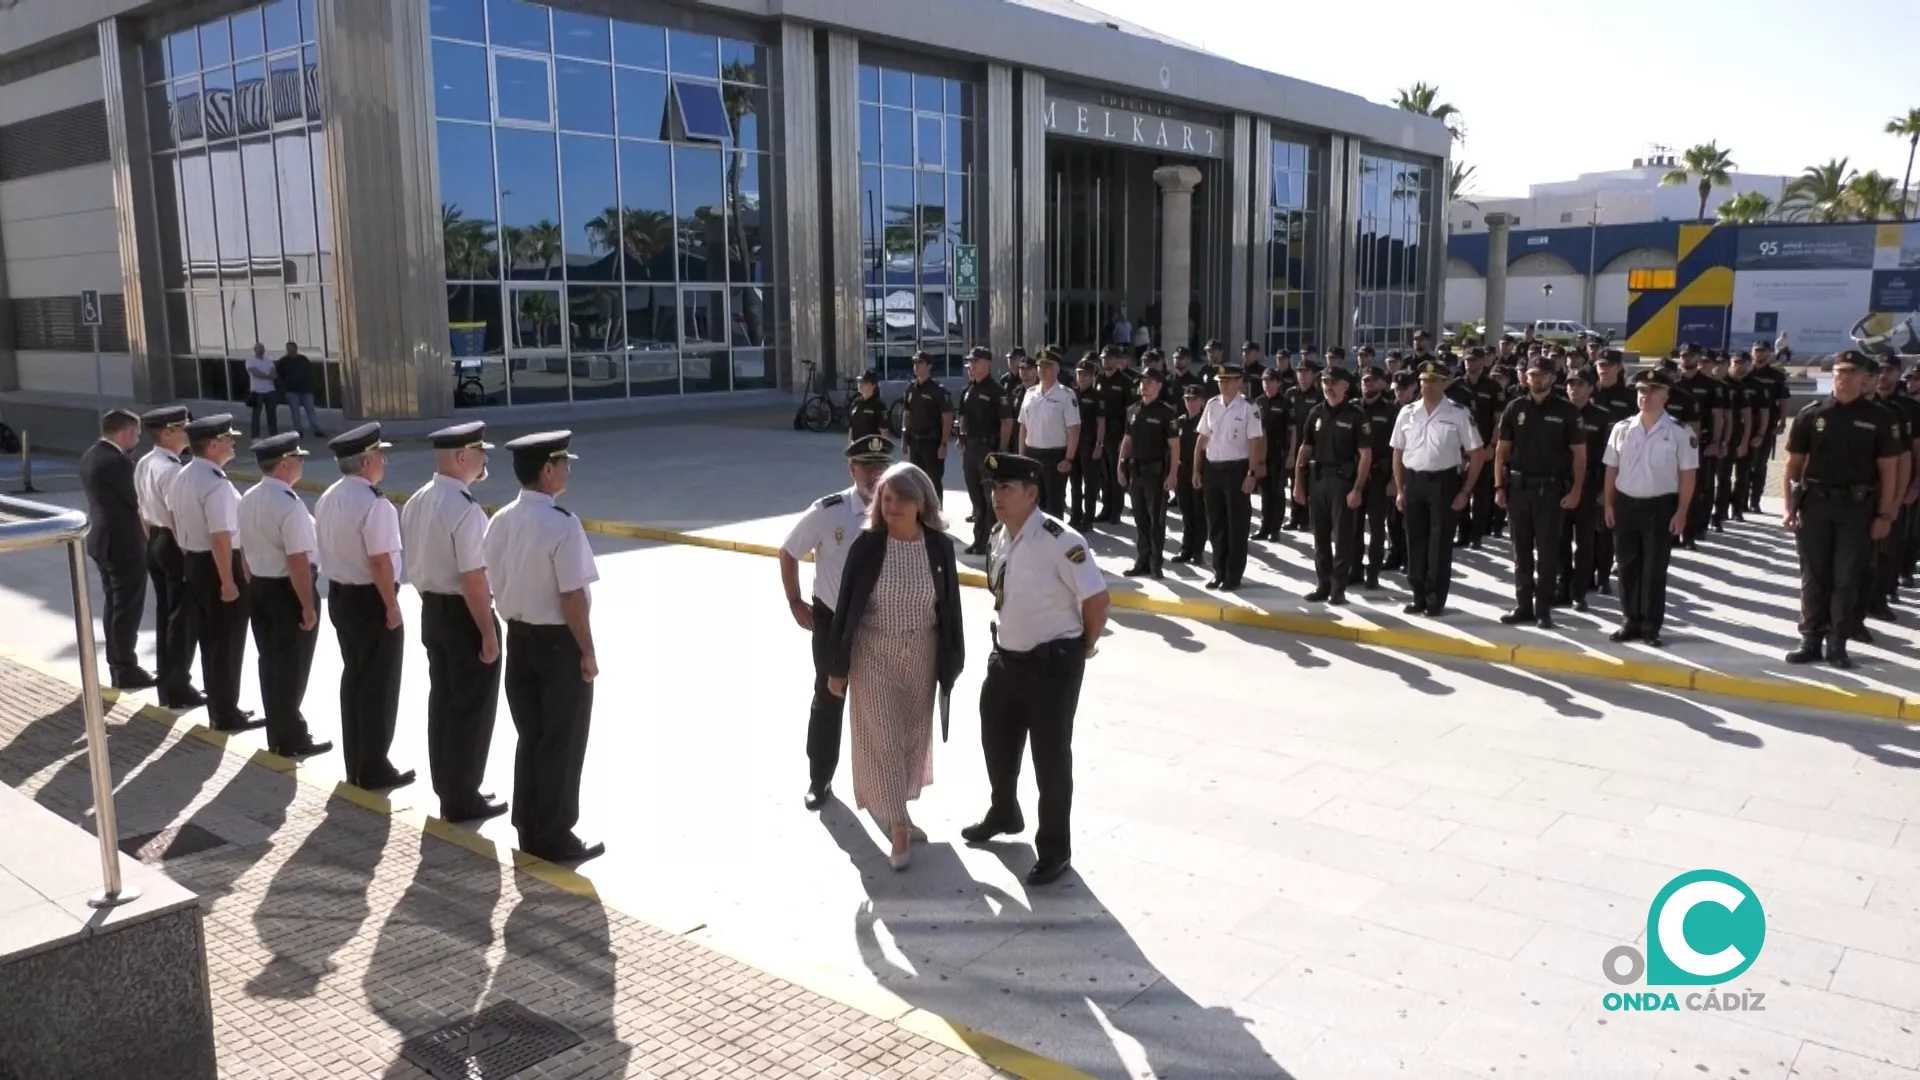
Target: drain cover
(176, 842)
(497, 1042)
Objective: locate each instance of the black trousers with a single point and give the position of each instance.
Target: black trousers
(1534, 514)
(1762, 455)
(979, 489)
(924, 451)
(1112, 495)
(1273, 490)
(463, 697)
(1477, 521)
(1644, 543)
(1229, 515)
(1192, 501)
(123, 587)
(1700, 510)
(1370, 523)
(1032, 697)
(1148, 483)
(1834, 539)
(1581, 540)
(1726, 484)
(1334, 534)
(173, 630)
(1430, 524)
(370, 657)
(222, 629)
(1296, 511)
(1053, 483)
(1746, 478)
(1087, 480)
(285, 657)
(552, 707)
(825, 715)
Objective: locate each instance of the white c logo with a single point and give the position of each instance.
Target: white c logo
(1672, 924)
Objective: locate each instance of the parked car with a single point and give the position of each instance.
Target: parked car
(1563, 331)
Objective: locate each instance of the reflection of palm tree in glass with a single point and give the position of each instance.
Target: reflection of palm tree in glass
(644, 235)
(468, 244)
(533, 247)
(739, 104)
(537, 320)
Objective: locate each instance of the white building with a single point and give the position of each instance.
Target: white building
(1614, 197)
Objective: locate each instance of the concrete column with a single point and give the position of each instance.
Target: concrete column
(845, 284)
(1176, 252)
(1001, 204)
(1032, 163)
(800, 203)
(123, 85)
(1498, 227)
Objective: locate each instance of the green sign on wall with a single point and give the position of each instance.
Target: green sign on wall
(966, 272)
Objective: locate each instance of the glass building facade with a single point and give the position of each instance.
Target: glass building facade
(1293, 264)
(1393, 296)
(602, 211)
(917, 169)
(240, 197)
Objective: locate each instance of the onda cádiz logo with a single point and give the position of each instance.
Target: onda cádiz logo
(1703, 929)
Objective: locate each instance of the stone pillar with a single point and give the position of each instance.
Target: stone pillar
(800, 204)
(1176, 252)
(1498, 226)
(846, 278)
(123, 86)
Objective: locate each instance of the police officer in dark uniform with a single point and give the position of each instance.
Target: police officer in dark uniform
(1709, 395)
(117, 544)
(1541, 468)
(929, 421)
(1251, 364)
(1149, 452)
(1749, 402)
(1187, 495)
(866, 413)
(1276, 415)
(1183, 373)
(1883, 560)
(1089, 457)
(1302, 398)
(1843, 460)
(1116, 385)
(1022, 379)
(1373, 521)
(1481, 393)
(1331, 473)
(1774, 382)
(1010, 382)
(1586, 534)
(986, 425)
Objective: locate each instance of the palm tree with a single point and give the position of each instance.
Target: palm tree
(1460, 183)
(1708, 165)
(1421, 98)
(1819, 193)
(1907, 127)
(535, 247)
(1746, 208)
(739, 103)
(1871, 196)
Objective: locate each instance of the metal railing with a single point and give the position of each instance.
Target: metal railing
(26, 526)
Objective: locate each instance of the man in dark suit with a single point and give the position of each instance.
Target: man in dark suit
(117, 543)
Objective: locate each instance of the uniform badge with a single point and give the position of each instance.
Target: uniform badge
(839, 535)
(993, 462)
(1077, 555)
(1521, 419)
(1316, 425)
(1820, 424)
(874, 444)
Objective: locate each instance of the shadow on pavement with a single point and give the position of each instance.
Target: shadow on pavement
(559, 962)
(316, 902)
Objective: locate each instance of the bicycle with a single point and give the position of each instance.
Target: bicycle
(818, 411)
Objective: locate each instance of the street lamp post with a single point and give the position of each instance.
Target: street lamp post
(1590, 300)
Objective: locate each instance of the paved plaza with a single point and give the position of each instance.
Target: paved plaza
(1294, 856)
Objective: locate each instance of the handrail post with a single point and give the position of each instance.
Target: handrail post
(112, 890)
(26, 464)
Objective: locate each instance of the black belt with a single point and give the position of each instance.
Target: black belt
(1535, 481)
(540, 629)
(1050, 653)
(1159, 463)
(337, 585)
(1344, 472)
(1455, 471)
(1227, 461)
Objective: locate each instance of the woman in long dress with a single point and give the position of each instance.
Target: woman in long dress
(896, 639)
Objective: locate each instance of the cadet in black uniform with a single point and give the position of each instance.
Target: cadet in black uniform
(929, 421)
(1276, 415)
(986, 425)
(1541, 471)
(1116, 385)
(1709, 394)
(1376, 505)
(1302, 397)
(1010, 382)
(1883, 561)
(1337, 456)
(1149, 459)
(1089, 458)
(1587, 531)
(1406, 391)
(1843, 459)
(1024, 377)
(1187, 494)
(1184, 375)
(866, 413)
(1774, 382)
(117, 544)
(1483, 396)
(1749, 402)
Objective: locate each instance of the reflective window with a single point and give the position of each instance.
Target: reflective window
(693, 54)
(703, 115)
(459, 20)
(459, 81)
(586, 96)
(646, 202)
(590, 206)
(1397, 200)
(584, 36)
(596, 342)
(1293, 203)
(529, 204)
(520, 90)
(643, 103)
(640, 46)
(516, 24)
(700, 212)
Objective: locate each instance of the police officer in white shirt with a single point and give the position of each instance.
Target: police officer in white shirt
(540, 565)
(205, 510)
(1050, 606)
(443, 533)
(360, 554)
(283, 590)
(1434, 438)
(1050, 431)
(1229, 464)
(825, 531)
(166, 567)
(1652, 461)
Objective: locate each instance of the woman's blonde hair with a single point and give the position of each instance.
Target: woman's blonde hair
(907, 481)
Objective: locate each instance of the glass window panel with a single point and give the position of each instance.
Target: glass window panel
(160, 124)
(704, 371)
(249, 37)
(270, 315)
(519, 25)
(640, 46)
(745, 107)
(930, 142)
(217, 96)
(653, 319)
(186, 377)
(263, 209)
(167, 212)
(283, 25)
(322, 221)
(746, 223)
(213, 379)
(753, 369)
(250, 105)
(306, 326)
(229, 210)
(285, 82)
(590, 203)
(700, 213)
(959, 98)
(869, 84)
(896, 137)
(209, 324)
(189, 117)
(750, 314)
(179, 327)
(871, 216)
(896, 88)
(584, 36)
(693, 54)
(196, 190)
(703, 318)
(586, 96)
(183, 53)
(646, 220)
(956, 209)
(459, 82)
(476, 346)
(520, 90)
(899, 195)
(643, 103)
(870, 134)
(309, 21)
(536, 346)
(597, 342)
(310, 81)
(466, 202)
(876, 316)
(959, 154)
(241, 330)
(703, 114)
(929, 93)
(462, 19)
(742, 62)
(529, 204)
(215, 47)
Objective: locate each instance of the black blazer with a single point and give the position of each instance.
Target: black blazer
(113, 510)
(862, 570)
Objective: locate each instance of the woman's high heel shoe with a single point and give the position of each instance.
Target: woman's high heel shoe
(903, 848)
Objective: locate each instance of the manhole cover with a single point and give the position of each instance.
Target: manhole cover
(497, 1042)
(176, 842)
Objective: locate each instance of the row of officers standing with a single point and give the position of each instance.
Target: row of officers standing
(221, 563)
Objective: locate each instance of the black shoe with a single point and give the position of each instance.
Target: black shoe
(1319, 596)
(1215, 584)
(570, 850)
(134, 679)
(1580, 604)
(1738, 516)
(1838, 658)
(1475, 545)
(1603, 588)
(182, 700)
(1562, 599)
(1545, 621)
(244, 721)
(1230, 586)
(1077, 524)
(1517, 616)
(481, 811)
(817, 796)
(1624, 635)
(1719, 525)
(318, 434)
(306, 749)
(1435, 611)
(990, 826)
(1862, 635)
(1808, 652)
(1688, 544)
(386, 782)
(1339, 598)
(1653, 640)
(1415, 608)
(1046, 872)
(1373, 581)
(1881, 613)
(1136, 570)
(1156, 575)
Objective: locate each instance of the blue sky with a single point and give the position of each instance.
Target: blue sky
(1550, 90)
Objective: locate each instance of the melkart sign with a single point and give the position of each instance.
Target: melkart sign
(1100, 116)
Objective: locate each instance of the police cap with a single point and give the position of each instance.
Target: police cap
(1434, 369)
(1308, 363)
(1653, 378)
(1193, 391)
(980, 352)
(1228, 371)
(1540, 363)
(468, 436)
(1114, 350)
(1852, 358)
(1249, 345)
(1216, 345)
(1336, 375)
(873, 448)
(1374, 371)
(271, 449)
(1610, 356)
(1336, 353)
(922, 356)
(211, 427)
(1581, 376)
(1012, 468)
(1088, 365)
(870, 377)
(165, 417)
(1155, 374)
(1180, 351)
(358, 441)
(1405, 379)
(1049, 355)
(541, 447)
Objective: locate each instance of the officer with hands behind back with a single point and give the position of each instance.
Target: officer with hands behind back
(280, 546)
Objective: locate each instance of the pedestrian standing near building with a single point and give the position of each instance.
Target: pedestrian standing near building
(929, 421)
(1050, 604)
(263, 390)
(1769, 374)
(1215, 358)
(206, 519)
(1302, 398)
(277, 541)
(1370, 523)
(117, 544)
(1116, 385)
(1149, 461)
(295, 374)
(986, 426)
(1540, 468)
(1276, 416)
(1651, 462)
(866, 413)
(1229, 463)
(826, 531)
(360, 554)
(1089, 459)
(1122, 329)
(1188, 493)
(1587, 536)
(1437, 454)
(1050, 430)
(1330, 473)
(173, 633)
(443, 531)
(541, 566)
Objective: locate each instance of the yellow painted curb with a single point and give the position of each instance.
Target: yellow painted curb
(1566, 661)
(999, 1054)
(1871, 703)
(1387, 637)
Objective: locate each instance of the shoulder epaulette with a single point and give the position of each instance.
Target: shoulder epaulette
(1051, 526)
(563, 509)
(469, 497)
(292, 496)
(831, 500)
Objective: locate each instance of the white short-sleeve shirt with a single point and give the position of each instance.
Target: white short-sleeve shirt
(443, 530)
(1046, 416)
(274, 524)
(826, 531)
(1040, 576)
(536, 551)
(1437, 439)
(1230, 428)
(1650, 461)
(356, 523)
(203, 502)
(151, 475)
